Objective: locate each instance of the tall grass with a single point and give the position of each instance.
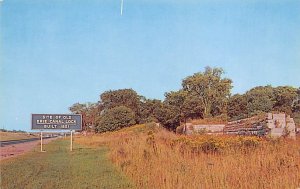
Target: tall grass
(156, 158)
(58, 168)
(15, 136)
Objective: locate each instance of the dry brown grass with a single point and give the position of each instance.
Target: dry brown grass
(156, 158)
(14, 136)
(214, 120)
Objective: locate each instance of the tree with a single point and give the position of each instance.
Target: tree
(115, 119)
(296, 102)
(89, 112)
(176, 99)
(168, 116)
(263, 99)
(147, 108)
(122, 97)
(284, 99)
(186, 104)
(78, 108)
(192, 107)
(237, 107)
(212, 90)
(260, 99)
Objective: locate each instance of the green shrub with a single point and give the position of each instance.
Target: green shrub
(179, 129)
(115, 119)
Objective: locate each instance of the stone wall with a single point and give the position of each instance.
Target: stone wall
(204, 128)
(281, 124)
(249, 126)
(274, 125)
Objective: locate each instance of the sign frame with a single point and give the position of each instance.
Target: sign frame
(77, 128)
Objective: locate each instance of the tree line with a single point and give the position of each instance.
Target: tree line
(203, 95)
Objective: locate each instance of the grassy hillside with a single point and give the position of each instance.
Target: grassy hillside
(146, 156)
(15, 136)
(156, 158)
(60, 168)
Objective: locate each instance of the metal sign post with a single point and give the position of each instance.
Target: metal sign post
(42, 142)
(71, 146)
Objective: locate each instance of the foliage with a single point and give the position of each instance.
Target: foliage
(203, 95)
(115, 119)
(176, 99)
(186, 104)
(296, 102)
(168, 116)
(284, 99)
(237, 107)
(263, 99)
(89, 112)
(212, 90)
(192, 108)
(180, 129)
(122, 97)
(78, 108)
(147, 110)
(260, 99)
(296, 117)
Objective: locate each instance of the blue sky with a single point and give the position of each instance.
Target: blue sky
(55, 53)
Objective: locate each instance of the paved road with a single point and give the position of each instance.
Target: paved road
(11, 142)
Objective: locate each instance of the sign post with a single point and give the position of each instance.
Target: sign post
(42, 141)
(56, 122)
(71, 146)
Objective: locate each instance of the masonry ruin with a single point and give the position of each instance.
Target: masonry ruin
(270, 124)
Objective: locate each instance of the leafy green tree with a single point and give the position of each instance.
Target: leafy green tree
(115, 118)
(89, 112)
(284, 99)
(78, 108)
(147, 109)
(192, 107)
(186, 104)
(212, 90)
(176, 99)
(237, 107)
(296, 102)
(168, 116)
(122, 97)
(260, 99)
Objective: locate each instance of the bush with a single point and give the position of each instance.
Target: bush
(250, 141)
(179, 129)
(211, 146)
(152, 127)
(115, 119)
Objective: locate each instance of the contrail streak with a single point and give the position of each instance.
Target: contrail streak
(121, 7)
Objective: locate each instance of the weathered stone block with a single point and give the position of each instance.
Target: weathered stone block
(269, 116)
(276, 132)
(271, 125)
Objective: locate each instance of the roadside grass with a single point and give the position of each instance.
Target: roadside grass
(84, 167)
(14, 136)
(156, 158)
